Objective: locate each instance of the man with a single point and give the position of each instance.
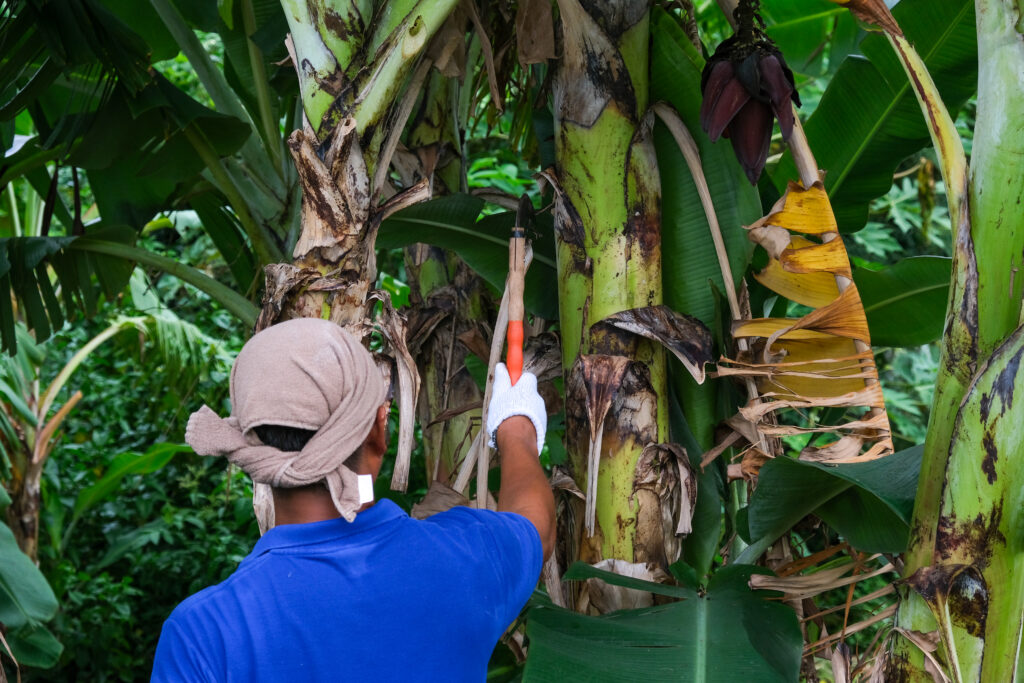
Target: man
(342, 589)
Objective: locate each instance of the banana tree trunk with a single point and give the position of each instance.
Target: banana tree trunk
(607, 223)
(966, 557)
(354, 61)
(360, 64)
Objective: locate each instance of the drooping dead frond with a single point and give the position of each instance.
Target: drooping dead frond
(824, 358)
(663, 471)
(685, 336)
(808, 578)
(391, 324)
(600, 376)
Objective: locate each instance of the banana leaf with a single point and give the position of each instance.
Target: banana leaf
(869, 120)
(454, 222)
(724, 635)
(906, 302)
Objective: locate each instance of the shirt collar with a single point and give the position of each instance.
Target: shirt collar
(288, 535)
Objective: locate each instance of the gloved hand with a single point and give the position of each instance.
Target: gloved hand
(521, 399)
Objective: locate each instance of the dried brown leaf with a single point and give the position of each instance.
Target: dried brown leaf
(440, 497)
(474, 340)
(799, 586)
(334, 208)
(685, 336)
(608, 598)
(391, 324)
(535, 32)
(543, 356)
(664, 469)
(774, 239)
(873, 12)
(855, 628)
(601, 376)
(841, 664)
(488, 52)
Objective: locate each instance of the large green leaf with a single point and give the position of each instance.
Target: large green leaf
(23, 272)
(868, 503)
(123, 465)
(814, 35)
(139, 155)
(144, 21)
(689, 263)
(25, 596)
(451, 222)
(906, 302)
(868, 120)
(727, 634)
(35, 646)
(223, 228)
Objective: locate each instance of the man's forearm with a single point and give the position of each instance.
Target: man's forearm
(524, 487)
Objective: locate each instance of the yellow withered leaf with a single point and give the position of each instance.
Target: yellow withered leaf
(828, 257)
(822, 359)
(809, 289)
(843, 317)
(806, 211)
(766, 327)
(826, 367)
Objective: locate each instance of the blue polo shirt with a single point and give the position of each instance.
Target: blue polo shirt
(384, 598)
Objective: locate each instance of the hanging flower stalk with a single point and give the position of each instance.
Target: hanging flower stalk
(746, 86)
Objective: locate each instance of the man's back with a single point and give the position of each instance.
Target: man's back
(385, 597)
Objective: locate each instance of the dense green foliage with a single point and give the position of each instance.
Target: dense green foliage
(160, 533)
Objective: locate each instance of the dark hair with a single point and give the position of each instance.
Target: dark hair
(284, 438)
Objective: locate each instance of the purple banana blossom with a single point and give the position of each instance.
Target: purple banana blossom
(746, 87)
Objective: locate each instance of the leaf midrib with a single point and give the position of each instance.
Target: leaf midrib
(905, 295)
(899, 96)
(808, 18)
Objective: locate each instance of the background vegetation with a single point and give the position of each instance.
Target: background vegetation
(132, 521)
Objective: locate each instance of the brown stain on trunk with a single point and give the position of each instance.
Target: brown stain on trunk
(988, 462)
(1002, 388)
(972, 539)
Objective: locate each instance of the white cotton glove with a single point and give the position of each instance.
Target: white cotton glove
(521, 399)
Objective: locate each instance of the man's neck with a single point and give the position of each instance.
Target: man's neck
(305, 504)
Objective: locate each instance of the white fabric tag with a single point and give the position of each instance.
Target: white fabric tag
(365, 488)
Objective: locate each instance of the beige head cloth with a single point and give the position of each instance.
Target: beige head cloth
(304, 373)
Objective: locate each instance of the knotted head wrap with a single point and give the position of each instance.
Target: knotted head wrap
(304, 373)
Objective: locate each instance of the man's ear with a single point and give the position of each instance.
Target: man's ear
(377, 439)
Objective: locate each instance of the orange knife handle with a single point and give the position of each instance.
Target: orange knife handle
(514, 358)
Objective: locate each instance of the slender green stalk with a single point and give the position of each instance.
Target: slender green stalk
(27, 164)
(266, 251)
(270, 129)
(50, 393)
(15, 213)
(224, 98)
(235, 303)
(210, 76)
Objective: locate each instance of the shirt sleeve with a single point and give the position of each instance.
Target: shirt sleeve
(520, 556)
(508, 546)
(178, 657)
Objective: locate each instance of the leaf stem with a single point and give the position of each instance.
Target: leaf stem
(271, 130)
(266, 252)
(235, 303)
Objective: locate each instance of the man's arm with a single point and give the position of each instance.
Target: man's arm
(524, 488)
